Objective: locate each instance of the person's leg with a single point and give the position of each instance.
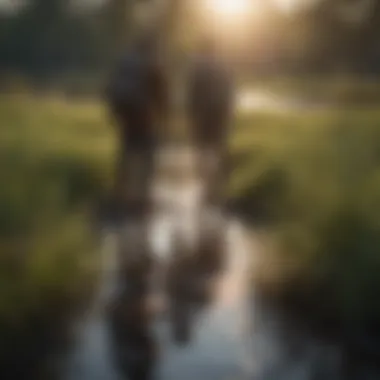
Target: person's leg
(222, 173)
(214, 173)
(132, 183)
(147, 174)
(202, 146)
(120, 179)
(141, 173)
(134, 167)
(219, 155)
(121, 173)
(209, 139)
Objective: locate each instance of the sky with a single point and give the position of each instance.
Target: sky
(285, 5)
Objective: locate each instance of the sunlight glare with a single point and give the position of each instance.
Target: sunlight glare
(232, 18)
(228, 8)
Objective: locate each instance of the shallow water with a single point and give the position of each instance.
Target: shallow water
(216, 349)
(236, 336)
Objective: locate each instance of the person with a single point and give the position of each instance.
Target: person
(138, 98)
(210, 102)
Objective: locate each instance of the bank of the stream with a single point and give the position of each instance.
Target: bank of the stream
(311, 182)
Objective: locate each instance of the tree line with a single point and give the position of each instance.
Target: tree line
(49, 38)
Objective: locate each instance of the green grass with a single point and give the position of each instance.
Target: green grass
(55, 162)
(313, 181)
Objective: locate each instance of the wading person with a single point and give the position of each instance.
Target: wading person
(137, 96)
(210, 105)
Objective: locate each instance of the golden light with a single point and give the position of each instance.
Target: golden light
(228, 18)
(228, 8)
(230, 21)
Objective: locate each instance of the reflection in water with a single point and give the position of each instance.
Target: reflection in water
(185, 277)
(120, 336)
(189, 286)
(91, 357)
(133, 345)
(211, 326)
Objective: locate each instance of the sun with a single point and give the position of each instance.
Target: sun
(227, 8)
(229, 20)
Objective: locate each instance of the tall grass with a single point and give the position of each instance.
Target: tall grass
(312, 180)
(55, 160)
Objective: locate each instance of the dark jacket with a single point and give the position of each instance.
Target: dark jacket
(137, 93)
(210, 98)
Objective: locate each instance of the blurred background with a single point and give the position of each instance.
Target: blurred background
(305, 145)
